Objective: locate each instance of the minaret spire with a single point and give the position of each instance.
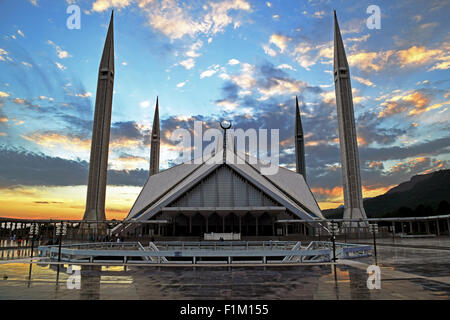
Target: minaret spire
(353, 202)
(98, 165)
(299, 142)
(155, 142)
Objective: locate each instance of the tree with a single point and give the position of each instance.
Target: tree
(443, 208)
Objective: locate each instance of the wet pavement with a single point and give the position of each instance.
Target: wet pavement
(406, 273)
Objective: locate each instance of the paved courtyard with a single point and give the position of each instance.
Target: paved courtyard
(412, 269)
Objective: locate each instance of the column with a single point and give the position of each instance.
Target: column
(393, 229)
(240, 224)
(190, 224)
(437, 228)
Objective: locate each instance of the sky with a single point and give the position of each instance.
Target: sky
(242, 60)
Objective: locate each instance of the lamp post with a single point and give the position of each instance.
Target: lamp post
(334, 230)
(373, 227)
(34, 231)
(61, 230)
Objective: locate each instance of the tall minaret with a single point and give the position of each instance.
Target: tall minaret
(353, 202)
(98, 165)
(155, 140)
(299, 142)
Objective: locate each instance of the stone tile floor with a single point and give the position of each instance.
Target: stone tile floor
(406, 273)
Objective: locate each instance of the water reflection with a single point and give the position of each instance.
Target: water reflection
(90, 282)
(41, 281)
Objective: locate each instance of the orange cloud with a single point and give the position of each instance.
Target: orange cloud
(128, 162)
(66, 202)
(409, 164)
(361, 141)
(404, 101)
(330, 194)
(373, 191)
(376, 164)
(52, 140)
(434, 106)
(123, 142)
(417, 55)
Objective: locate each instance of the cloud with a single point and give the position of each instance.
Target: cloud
(188, 63)
(192, 52)
(144, 104)
(3, 94)
(233, 62)
(175, 20)
(307, 54)
(319, 14)
(370, 61)
(210, 72)
(20, 167)
(60, 66)
(412, 102)
(412, 57)
(102, 5)
(367, 82)
(25, 102)
(21, 33)
(286, 66)
(83, 95)
(280, 41)
(227, 105)
(62, 54)
(417, 55)
(56, 140)
(181, 84)
(3, 55)
(269, 50)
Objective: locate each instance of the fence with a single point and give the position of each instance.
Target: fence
(70, 231)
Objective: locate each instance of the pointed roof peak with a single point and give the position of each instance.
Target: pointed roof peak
(298, 119)
(107, 61)
(155, 127)
(340, 58)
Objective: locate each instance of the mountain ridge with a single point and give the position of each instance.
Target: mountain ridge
(424, 189)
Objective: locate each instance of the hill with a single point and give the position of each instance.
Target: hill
(427, 190)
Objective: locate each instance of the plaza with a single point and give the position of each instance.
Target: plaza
(410, 269)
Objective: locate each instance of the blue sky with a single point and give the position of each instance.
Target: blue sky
(207, 60)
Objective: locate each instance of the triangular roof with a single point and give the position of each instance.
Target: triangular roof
(286, 187)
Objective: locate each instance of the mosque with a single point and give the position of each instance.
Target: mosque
(218, 194)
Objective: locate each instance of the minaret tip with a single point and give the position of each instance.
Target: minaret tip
(299, 142)
(155, 141)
